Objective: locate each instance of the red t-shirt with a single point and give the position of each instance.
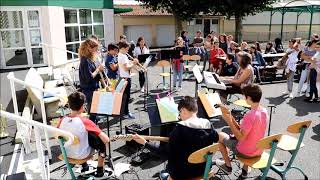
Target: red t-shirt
(213, 60)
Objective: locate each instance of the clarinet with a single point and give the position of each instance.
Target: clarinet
(139, 66)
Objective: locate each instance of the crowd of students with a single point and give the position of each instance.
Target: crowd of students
(190, 133)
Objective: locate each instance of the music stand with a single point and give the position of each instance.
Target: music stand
(143, 59)
(168, 54)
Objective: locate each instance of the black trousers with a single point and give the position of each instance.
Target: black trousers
(142, 78)
(313, 84)
(96, 143)
(127, 97)
(231, 89)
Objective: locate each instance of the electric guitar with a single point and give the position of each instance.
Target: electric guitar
(129, 137)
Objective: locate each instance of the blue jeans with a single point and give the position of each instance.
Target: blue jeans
(176, 73)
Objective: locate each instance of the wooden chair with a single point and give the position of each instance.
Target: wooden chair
(163, 64)
(264, 161)
(201, 156)
(69, 161)
(291, 144)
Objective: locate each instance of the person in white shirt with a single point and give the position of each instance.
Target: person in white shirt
(291, 63)
(125, 66)
(141, 48)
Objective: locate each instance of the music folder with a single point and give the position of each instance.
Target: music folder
(197, 73)
(167, 54)
(209, 101)
(147, 59)
(106, 103)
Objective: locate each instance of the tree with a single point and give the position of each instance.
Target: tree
(188, 9)
(239, 9)
(181, 10)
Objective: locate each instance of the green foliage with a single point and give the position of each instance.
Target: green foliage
(188, 9)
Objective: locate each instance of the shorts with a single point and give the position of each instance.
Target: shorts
(231, 143)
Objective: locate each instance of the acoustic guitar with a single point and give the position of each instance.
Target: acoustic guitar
(129, 137)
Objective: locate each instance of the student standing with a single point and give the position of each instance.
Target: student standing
(111, 64)
(89, 72)
(141, 48)
(291, 64)
(125, 65)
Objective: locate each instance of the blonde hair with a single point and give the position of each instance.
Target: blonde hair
(85, 47)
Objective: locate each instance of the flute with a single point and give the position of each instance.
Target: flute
(140, 66)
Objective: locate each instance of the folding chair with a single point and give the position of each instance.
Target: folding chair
(163, 64)
(292, 145)
(263, 162)
(201, 156)
(70, 161)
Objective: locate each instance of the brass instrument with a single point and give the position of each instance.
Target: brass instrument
(103, 73)
(138, 67)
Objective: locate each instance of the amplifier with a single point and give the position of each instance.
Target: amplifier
(136, 129)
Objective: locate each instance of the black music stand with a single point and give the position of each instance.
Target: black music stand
(168, 55)
(142, 59)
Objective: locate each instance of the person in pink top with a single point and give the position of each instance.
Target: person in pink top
(247, 134)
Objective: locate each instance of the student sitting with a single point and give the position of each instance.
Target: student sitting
(111, 64)
(229, 68)
(243, 77)
(89, 135)
(189, 135)
(247, 134)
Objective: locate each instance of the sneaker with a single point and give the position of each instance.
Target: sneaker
(142, 89)
(244, 174)
(103, 174)
(131, 116)
(316, 100)
(291, 95)
(89, 170)
(285, 92)
(298, 94)
(224, 168)
(174, 88)
(307, 95)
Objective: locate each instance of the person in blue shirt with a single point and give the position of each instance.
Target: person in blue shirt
(89, 71)
(257, 62)
(111, 64)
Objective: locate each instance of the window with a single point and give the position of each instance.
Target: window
(81, 24)
(21, 37)
(214, 21)
(198, 21)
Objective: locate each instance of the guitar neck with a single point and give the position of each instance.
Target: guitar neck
(156, 138)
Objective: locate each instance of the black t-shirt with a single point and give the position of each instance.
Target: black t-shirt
(230, 70)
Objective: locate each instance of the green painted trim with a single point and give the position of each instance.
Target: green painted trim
(122, 10)
(93, 4)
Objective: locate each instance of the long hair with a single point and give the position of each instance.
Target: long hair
(140, 39)
(85, 47)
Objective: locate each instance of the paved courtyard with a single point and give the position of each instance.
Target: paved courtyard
(287, 112)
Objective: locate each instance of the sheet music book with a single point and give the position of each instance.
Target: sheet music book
(168, 109)
(148, 60)
(106, 103)
(208, 101)
(197, 73)
(121, 86)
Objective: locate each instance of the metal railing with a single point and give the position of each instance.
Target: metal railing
(38, 127)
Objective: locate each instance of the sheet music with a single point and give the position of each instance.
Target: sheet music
(197, 73)
(105, 103)
(148, 60)
(208, 101)
(168, 109)
(121, 85)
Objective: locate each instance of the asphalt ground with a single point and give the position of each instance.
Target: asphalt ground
(287, 111)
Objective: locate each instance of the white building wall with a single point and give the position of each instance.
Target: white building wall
(52, 25)
(289, 18)
(108, 22)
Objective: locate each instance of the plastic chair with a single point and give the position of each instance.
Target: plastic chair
(204, 155)
(264, 161)
(163, 64)
(69, 161)
(291, 144)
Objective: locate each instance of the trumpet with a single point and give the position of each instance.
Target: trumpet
(102, 75)
(138, 67)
